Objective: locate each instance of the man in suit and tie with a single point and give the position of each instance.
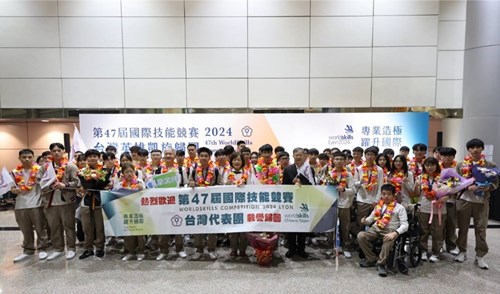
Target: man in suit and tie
(299, 173)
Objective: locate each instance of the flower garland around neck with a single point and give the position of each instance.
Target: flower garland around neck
(414, 167)
(231, 177)
(426, 185)
(19, 177)
(147, 169)
(382, 219)
(369, 176)
(207, 180)
(267, 173)
(353, 166)
(466, 169)
(396, 179)
(61, 168)
(189, 162)
(453, 165)
(334, 175)
(132, 185)
(89, 173)
(165, 168)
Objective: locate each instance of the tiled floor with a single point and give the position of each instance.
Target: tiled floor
(315, 275)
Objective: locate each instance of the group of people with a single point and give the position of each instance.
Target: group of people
(375, 188)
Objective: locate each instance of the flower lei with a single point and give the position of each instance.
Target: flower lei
(382, 221)
(165, 168)
(19, 177)
(132, 185)
(427, 185)
(89, 173)
(190, 162)
(146, 170)
(231, 177)
(353, 166)
(415, 168)
(334, 175)
(267, 173)
(396, 179)
(453, 165)
(61, 168)
(369, 178)
(207, 180)
(466, 169)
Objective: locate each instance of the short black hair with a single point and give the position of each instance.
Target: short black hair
(245, 149)
(58, 145)
(339, 154)
(26, 151)
(126, 166)
(134, 149)
(108, 156)
(45, 153)
(91, 152)
(266, 148)
(347, 152)
(126, 155)
(388, 151)
(388, 187)
(371, 149)
(475, 143)
(219, 152)
(240, 142)
(447, 151)
(191, 145)
(279, 149)
(155, 151)
(404, 148)
(180, 153)
(111, 148)
(204, 150)
(327, 150)
(419, 146)
(357, 149)
(437, 149)
(228, 150)
(281, 154)
(143, 152)
(313, 151)
(323, 156)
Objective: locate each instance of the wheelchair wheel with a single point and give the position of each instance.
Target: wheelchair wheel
(402, 267)
(415, 254)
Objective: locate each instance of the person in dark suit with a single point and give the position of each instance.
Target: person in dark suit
(299, 173)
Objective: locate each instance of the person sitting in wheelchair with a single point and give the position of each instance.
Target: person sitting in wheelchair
(388, 220)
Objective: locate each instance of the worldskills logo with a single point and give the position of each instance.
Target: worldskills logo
(246, 131)
(344, 139)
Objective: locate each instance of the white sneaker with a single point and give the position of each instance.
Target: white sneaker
(455, 251)
(196, 256)
(21, 257)
(461, 257)
(182, 254)
(347, 254)
(141, 257)
(162, 256)
(54, 255)
(424, 256)
(212, 255)
(434, 259)
(70, 254)
(128, 257)
(481, 263)
(42, 255)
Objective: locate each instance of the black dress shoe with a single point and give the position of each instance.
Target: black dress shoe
(99, 253)
(303, 254)
(381, 270)
(86, 253)
(289, 254)
(366, 263)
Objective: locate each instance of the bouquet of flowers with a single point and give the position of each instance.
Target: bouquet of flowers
(264, 245)
(450, 178)
(483, 177)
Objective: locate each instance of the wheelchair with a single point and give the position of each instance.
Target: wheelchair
(406, 251)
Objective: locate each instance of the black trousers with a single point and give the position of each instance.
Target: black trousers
(297, 242)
